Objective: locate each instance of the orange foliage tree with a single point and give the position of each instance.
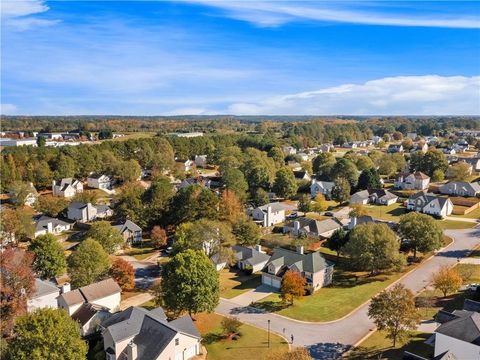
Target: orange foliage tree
(293, 286)
(123, 273)
(158, 236)
(230, 206)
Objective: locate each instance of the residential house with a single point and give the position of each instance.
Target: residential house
(312, 266)
(322, 187)
(85, 212)
(140, 334)
(185, 165)
(91, 304)
(131, 232)
(45, 295)
(395, 148)
(460, 188)
(354, 221)
(475, 162)
(100, 181)
(201, 161)
(18, 142)
(373, 196)
(430, 204)
(448, 151)
(460, 148)
(289, 150)
(270, 214)
(450, 174)
(412, 181)
(249, 258)
(48, 225)
(30, 198)
(303, 156)
(302, 175)
(187, 135)
(68, 187)
(376, 139)
(412, 135)
(326, 148)
(295, 166)
(321, 229)
(351, 145)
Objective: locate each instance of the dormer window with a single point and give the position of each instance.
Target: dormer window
(177, 341)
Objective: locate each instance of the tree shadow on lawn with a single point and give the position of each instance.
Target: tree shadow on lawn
(256, 308)
(347, 279)
(269, 306)
(397, 212)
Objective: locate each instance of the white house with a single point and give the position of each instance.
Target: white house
(48, 225)
(45, 295)
(430, 204)
(201, 160)
(18, 142)
(395, 148)
(85, 212)
(373, 196)
(249, 258)
(289, 150)
(459, 336)
(67, 187)
(131, 232)
(100, 181)
(313, 267)
(30, 198)
(322, 187)
(269, 214)
(137, 333)
(413, 181)
(460, 188)
(184, 165)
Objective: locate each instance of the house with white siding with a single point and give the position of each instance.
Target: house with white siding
(321, 229)
(322, 187)
(100, 181)
(373, 196)
(270, 214)
(460, 188)
(48, 225)
(431, 204)
(250, 258)
(45, 295)
(85, 212)
(412, 181)
(67, 187)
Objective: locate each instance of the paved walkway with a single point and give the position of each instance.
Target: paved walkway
(136, 300)
(329, 340)
(253, 295)
(475, 261)
(461, 219)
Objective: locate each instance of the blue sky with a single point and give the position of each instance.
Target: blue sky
(245, 57)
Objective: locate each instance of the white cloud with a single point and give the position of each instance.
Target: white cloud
(275, 13)
(17, 14)
(7, 109)
(401, 95)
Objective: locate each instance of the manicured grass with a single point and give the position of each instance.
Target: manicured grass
(348, 291)
(134, 135)
(276, 239)
(149, 305)
(475, 214)
(472, 271)
(252, 342)
(235, 282)
(377, 346)
(140, 253)
(388, 213)
(454, 224)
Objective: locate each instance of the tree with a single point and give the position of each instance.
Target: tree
(16, 224)
(304, 203)
(129, 170)
(158, 236)
(106, 235)
(258, 176)
(157, 199)
(193, 203)
(246, 231)
(41, 141)
(64, 166)
(320, 203)
(47, 334)
(51, 205)
(230, 206)
(459, 171)
(394, 311)
(130, 204)
(260, 197)
(429, 162)
(123, 273)
(369, 179)
(190, 283)
(105, 134)
(421, 232)
(322, 165)
(87, 196)
(292, 287)
(89, 263)
(364, 162)
(230, 325)
(407, 144)
(234, 180)
(50, 260)
(341, 190)
(387, 167)
(337, 241)
(346, 169)
(358, 210)
(16, 285)
(447, 280)
(438, 175)
(373, 247)
(285, 184)
(19, 192)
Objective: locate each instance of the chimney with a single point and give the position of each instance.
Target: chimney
(296, 226)
(66, 288)
(300, 250)
(49, 227)
(132, 351)
(258, 247)
(269, 215)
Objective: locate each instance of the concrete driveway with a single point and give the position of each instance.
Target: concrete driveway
(253, 295)
(329, 340)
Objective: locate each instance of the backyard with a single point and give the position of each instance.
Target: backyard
(235, 282)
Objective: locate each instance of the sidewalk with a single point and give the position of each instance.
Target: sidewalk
(136, 300)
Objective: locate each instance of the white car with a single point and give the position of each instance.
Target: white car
(473, 287)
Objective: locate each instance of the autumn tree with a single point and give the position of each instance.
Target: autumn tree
(158, 236)
(292, 287)
(49, 257)
(230, 206)
(106, 235)
(447, 280)
(87, 196)
(19, 192)
(260, 197)
(364, 162)
(16, 224)
(358, 210)
(421, 232)
(123, 273)
(246, 231)
(87, 264)
(341, 190)
(17, 283)
(51, 205)
(47, 334)
(459, 171)
(394, 311)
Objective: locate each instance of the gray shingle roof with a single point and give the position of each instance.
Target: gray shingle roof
(249, 254)
(41, 223)
(315, 226)
(91, 292)
(311, 262)
(85, 312)
(466, 327)
(130, 225)
(43, 287)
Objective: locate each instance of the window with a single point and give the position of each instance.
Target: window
(177, 341)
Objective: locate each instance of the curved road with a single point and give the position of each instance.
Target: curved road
(329, 340)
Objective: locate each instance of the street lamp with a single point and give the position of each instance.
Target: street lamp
(268, 333)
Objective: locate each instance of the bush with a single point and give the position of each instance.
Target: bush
(230, 326)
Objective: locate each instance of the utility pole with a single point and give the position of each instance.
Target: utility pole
(268, 333)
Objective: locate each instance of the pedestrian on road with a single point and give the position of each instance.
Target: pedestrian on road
(283, 331)
(291, 337)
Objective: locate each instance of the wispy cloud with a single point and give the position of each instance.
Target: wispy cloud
(416, 95)
(275, 13)
(8, 109)
(19, 15)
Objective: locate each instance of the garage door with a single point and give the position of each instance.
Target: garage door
(276, 283)
(266, 280)
(190, 352)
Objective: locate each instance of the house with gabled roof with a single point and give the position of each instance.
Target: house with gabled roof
(87, 212)
(374, 196)
(249, 258)
(322, 187)
(395, 148)
(131, 232)
(140, 334)
(45, 295)
(67, 187)
(412, 181)
(100, 181)
(270, 214)
(431, 204)
(313, 267)
(460, 188)
(321, 229)
(301, 175)
(48, 225)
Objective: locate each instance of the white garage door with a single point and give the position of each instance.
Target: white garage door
(266, 280)
(190, 352)
(276, 283)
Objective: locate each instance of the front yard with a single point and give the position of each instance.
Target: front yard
(234, 282)
(252, 342)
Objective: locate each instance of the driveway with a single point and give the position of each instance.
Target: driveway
(146, 272)
(253, 295)
(329, 340)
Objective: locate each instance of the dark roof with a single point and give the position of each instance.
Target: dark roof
(185, 325)
(42, 222)
(85, 312)
(471, 305)
(444, 316)
(465, 327)
(379, 193)
(153, 338)
(130, 225)
(96, 176)
(316, 226)
(300, 174)
(429, 197)
(77, 205)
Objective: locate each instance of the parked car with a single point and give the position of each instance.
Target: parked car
(473, 287)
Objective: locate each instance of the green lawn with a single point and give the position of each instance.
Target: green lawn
(348, 291)
(377, 346)
(252, 342)
(234, 282)
(140, 253)
(454, 224)
(389, 213)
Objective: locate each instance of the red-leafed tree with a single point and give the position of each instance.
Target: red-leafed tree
(17, 283)
(293, 286)
(123, 273)
(158, 236)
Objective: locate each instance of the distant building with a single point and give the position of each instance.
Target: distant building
(289, 150)
(395, 148)
(18, 142)
(185, 165)
(201, 161)
(85, 212)
(187, 135)
(100, 181)
(412, 181)
(412, 135)
(302, 175)
(68, 187)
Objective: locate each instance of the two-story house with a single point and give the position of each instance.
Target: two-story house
(67, 187)
(269, 214)
(249, 258)
(460, 188)
(312, 266)
(413, 181)
(100, 181)
(185, 165)
(428, 203)
(85, 212)
(131, 232)
(322, 187)
(137, 333)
